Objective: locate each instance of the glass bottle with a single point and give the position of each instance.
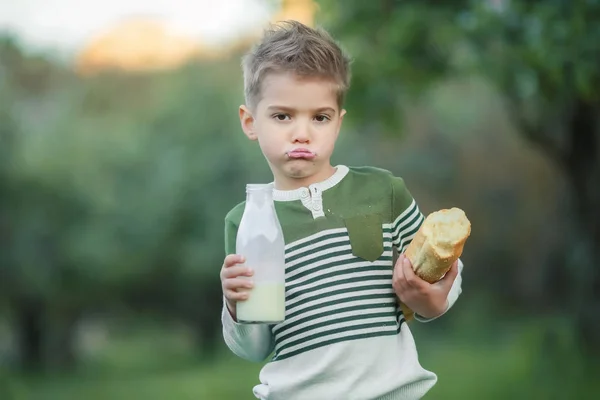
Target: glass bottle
(260, 241)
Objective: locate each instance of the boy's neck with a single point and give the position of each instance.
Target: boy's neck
(296, 183)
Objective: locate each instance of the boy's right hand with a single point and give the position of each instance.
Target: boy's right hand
(233, 281)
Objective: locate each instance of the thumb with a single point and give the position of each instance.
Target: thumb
(450, 276)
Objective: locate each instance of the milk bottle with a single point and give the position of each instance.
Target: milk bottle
(260, 241)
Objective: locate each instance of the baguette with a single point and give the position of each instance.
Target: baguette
(438, 243)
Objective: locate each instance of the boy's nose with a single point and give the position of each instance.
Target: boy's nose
(301, 134)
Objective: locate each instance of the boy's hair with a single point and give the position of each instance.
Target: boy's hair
(291, 46)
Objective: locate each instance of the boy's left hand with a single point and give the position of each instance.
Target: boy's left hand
(429, 300)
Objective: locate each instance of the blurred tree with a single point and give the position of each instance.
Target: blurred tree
(542, 57)
(113, 196)
(20, 76)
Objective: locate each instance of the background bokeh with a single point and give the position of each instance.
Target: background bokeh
(121, 152)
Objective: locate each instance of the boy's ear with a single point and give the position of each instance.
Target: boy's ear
(341, 119)
(247, 121)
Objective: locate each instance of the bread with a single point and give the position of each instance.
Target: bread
(438, 243)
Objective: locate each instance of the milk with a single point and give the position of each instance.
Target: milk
(265, 304)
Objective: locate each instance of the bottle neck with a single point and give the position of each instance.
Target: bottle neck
(259, 194)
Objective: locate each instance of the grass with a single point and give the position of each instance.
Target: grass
(145, 361)
(227, 379)
(153, 364)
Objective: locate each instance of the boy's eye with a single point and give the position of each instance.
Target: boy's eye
(281, 117)
(322, 118)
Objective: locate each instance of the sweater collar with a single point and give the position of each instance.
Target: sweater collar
(303, 192)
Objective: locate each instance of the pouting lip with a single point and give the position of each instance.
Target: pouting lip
(300, 153)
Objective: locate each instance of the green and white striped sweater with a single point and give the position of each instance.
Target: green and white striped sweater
(343, 336)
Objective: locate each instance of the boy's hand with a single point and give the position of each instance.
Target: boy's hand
(429, 300)
(232, 281)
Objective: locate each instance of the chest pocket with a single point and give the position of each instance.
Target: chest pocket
(366, 236)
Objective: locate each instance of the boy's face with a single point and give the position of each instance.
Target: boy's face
(296, 123)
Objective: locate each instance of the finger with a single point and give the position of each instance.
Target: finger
(237, 283)
(236, 296)
(233, 259)
(399, 280)
(234, 272)
(411, 278)
(395, 269)
(395, 283)
(450, 276)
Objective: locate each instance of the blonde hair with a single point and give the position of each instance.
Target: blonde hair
(291, 46)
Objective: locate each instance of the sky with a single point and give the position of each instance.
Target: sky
(66, 25)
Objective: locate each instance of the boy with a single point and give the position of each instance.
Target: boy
(344, 335)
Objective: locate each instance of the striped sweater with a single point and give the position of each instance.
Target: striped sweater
(344, 336)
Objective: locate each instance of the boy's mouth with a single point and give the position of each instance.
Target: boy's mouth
(301, 153)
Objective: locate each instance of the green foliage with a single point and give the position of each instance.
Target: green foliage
(114, 187)
(541, 52)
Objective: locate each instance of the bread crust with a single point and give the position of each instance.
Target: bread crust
(438, 243)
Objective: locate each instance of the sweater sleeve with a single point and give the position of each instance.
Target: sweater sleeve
(406, 215)
(407, 219)
(250, 342)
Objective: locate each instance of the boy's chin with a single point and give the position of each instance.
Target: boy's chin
(296, 170)
(302, 169)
